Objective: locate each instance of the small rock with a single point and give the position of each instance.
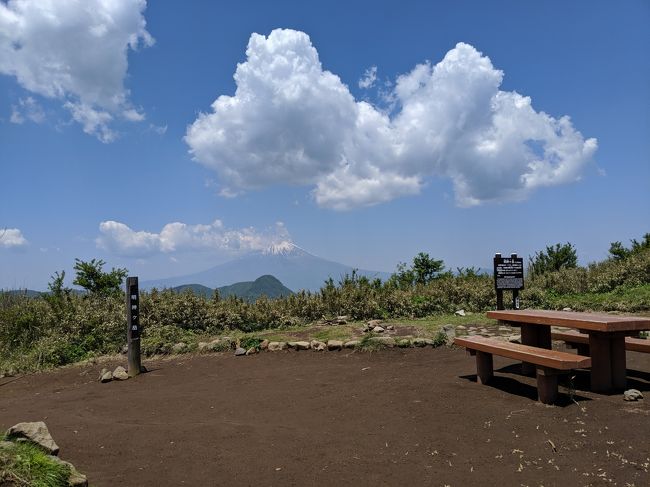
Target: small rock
(264, 345)
(390, 327)
(334, 345)
(178, 347)
(125, 349)
(420, 342)
(378, 329)
(101, 374)
(567, 309)
(514, 339)
(276, 346)
(461, 327)
(240, 351)
(106, 376)
(35, 432)
(351, 344)
(251, 351)
(318, 345)
(341, 320)
(632, 395)
(292, 345)
(120, 373)
(303, 345)
(460, 312)
(76, 479)
(372, 323)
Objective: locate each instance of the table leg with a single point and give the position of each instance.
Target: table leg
(529, 336)
(544, 337)
(619, 368)
(601, 362)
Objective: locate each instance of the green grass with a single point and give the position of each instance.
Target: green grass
(23, 463)
(624, 299)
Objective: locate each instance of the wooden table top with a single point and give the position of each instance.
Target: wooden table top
(571, 319)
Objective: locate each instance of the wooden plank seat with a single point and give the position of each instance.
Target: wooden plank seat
(548, 363)
(581, 342)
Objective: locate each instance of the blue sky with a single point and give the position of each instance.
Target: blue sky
(363, 133)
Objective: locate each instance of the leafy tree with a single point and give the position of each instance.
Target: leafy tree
(618, 252)
(92, 278)
(554, 258)
(425, 269)
(59, 295)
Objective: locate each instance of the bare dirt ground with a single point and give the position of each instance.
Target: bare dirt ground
(396, 417)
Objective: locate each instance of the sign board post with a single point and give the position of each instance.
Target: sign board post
(133, 326)
(508, 275)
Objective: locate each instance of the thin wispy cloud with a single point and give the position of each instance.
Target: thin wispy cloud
(293, 122)
(46, 46)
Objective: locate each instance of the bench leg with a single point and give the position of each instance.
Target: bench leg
(546, 386)
(583, 349)
(484, 367)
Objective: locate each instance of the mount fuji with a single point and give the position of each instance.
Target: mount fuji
(294, 267)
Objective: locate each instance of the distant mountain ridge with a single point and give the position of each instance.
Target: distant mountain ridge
(266, 285)
(294, 267)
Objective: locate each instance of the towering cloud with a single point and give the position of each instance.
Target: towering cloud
(75, 51)
(292, 122)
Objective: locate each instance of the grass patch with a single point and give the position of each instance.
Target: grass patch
(368, 344)
(23, 463)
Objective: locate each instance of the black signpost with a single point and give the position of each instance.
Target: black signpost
(508, 275)
(133, 326)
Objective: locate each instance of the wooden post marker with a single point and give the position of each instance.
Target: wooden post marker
(133, 326)
(508, 274)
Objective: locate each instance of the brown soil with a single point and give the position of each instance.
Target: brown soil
(399, 417)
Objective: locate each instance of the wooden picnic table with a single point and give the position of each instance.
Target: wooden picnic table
(606, 338)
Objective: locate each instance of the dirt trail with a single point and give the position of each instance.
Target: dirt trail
(399, 417)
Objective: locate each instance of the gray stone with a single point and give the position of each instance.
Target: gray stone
(334, 345)
(76, 478)
(461, 327)
(390, 327)
(264, 345)
(36, 433)
(420, 342)
(378, 329)
(567, 309)
(318, 345)
(341, 320)
(292, 345)
(303, 345)
(450, 331)
(240, 351)
(351, 344)
(372, 323)
(120, 373)
(106, 376)
(276, 346)
(101, 373)
(460, 312)
(251, 351)
(632, 395)
(178, 347)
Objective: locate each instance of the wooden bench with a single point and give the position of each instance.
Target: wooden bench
(548, 363)
(580, 341)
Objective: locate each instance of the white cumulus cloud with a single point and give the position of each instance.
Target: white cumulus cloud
(75, 51)
(12, 238)
(120, 239)
(292, 122)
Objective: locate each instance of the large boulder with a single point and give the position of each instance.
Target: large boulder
(36, 433)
